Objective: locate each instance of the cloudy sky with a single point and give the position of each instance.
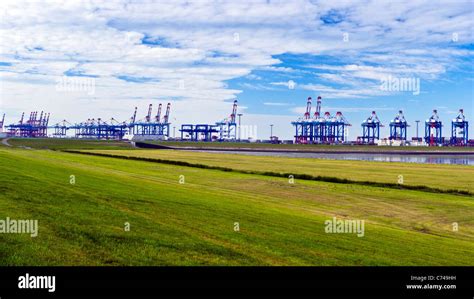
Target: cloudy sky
(89, 59)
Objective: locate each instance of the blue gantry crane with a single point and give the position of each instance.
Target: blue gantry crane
(370, 129)
(33, 127)
(320, 129)
(459, 129)
(225, 130)
(398, 127)
(433, 130)
(149, 127)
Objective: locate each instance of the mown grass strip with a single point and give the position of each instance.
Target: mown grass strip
(282, 175)
(312, 147)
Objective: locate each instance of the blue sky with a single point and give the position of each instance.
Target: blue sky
(201, 55)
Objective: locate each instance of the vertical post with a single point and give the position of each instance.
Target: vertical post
(417, 121)
(440, 137)
(240, 128)
(271, 132)
(452, 132)
(296, 133)
(467, 132)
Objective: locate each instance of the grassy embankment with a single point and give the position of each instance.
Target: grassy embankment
(193, 223)
(313, 147)
(436, 176)
(59, 144)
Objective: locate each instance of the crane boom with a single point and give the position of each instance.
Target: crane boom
(308, 109)
(134, 117)
(158, 114)
(148, 116)
(435, 116)
(327, 116)
(317, 113)
(373, 118)
(234, 112)
(167, 114)
(400, 117)
(318, 105)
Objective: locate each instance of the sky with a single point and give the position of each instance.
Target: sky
(91, 59)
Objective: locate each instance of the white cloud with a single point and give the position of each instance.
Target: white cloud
(290, 84)
(276, 104)
(338, 93)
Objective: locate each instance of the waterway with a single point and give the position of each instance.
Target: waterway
(459, 159)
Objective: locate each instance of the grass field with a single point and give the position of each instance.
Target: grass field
(442, 176)
(58, 144)
(312, 147)
(192, 223)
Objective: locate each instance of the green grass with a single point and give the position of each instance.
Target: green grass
(311, 147)
(58, 144)
(192, 223)
(437, 176)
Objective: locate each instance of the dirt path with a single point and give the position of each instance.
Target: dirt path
(5, 142)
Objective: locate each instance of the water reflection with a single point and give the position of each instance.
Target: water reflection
(430, 159)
